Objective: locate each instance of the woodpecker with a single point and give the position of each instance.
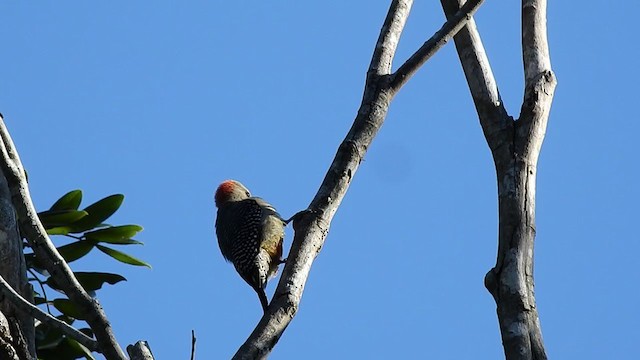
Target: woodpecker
(250, 233)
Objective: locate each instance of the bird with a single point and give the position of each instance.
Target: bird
(250, 234)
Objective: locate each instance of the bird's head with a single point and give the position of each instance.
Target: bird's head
(230, 191)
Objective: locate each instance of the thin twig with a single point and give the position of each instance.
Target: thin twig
(193, 345)
(44, 292)
(431, 46)
(45, 250)
(23, 305)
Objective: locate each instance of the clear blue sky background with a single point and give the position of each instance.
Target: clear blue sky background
(163, 100)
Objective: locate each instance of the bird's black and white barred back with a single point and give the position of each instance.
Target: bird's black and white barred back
(250, 234)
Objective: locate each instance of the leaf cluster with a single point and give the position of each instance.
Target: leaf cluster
(88, 230)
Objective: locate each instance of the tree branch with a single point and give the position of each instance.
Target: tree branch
(437, 41)
(193, 345)
(13, 271)
(535, 48)
(496, 123)
(140, 351)
(540, 81)
(515, 146)
(28, 308)
(387, 43)
(311, 228)
(46, 251)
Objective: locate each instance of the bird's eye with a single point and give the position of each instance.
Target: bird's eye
(246, 192)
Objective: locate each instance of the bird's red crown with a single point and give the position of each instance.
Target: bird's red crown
(227, 189)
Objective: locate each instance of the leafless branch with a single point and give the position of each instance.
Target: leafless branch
(47, 253)
(25, 306)
(311, 228)
(484, 90)
(535, 48)
(540, 80)
(437, 41)
(387, 43)
(515, 146)
(140, 351)
(193, 345)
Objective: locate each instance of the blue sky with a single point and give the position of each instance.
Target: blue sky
(163, 101)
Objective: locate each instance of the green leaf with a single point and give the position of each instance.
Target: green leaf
(98, 212)
(91, 281)
(55, 218)
(67, 307)
(80, 349)
(69, 201)
(60, 230)
(47, 338)
(67, 349)
(115, 234)
(122, 257)
(75, 250)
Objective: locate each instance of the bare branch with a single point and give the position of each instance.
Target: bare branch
(140, 351)
(540, 81)
(389, 38)
(437, 41)
(46, 251)
(535, 48)
(311, 228)
(193, 345)
(51, 321)
(482, 84)
(515, 146)
(511, 280)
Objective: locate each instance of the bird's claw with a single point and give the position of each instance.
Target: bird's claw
(297, 215)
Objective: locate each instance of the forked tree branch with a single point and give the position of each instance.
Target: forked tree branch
(437, 41)
(45, 250)
(484, 90)
(515, 146)
(35, 312)
(311, 228)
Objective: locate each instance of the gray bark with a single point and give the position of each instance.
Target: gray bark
(140, 351)
(515, 146)
(17, 332)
